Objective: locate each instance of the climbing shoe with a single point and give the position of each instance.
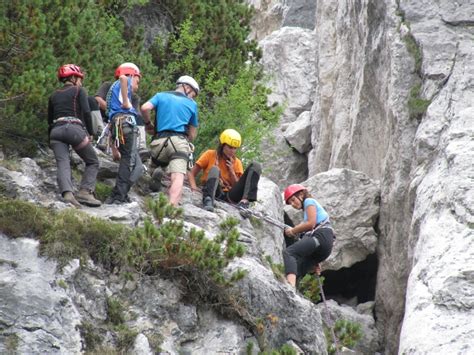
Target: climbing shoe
(155, 183)
(144, 154)
(87, 198)
(243, 204)
(69, 198)
(207, 204)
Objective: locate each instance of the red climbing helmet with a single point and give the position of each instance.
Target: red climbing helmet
(127, 69)
(67, 70)
(291, 190)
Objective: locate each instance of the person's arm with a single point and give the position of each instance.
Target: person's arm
(126, 104)
(306, 225)
(101, 95)
(101, 102)
(86, 111)
(192, 132)
(192, 176)
(230, 166)
(146, 109)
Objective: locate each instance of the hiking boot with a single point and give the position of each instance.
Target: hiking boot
(144, 154)
(87, 198)
(69, 198)
(207, 204)
(155, 183)
(243, 204)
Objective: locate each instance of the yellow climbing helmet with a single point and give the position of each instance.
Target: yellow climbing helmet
(231, 137)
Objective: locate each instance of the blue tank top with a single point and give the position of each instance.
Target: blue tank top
(321, 214)
(114, 100)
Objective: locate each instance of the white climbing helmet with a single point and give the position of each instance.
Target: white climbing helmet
(186, 79)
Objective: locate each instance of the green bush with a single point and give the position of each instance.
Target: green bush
(35, 220)
(310, 287)
(416, 105)
(347, 333)
(37, 38)
(233, 97)
(169, 247)
(209, 42)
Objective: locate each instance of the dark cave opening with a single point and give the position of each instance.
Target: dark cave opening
(352, 285)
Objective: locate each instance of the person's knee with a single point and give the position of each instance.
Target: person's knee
(257, 167)
(286, 254)
(213, 173)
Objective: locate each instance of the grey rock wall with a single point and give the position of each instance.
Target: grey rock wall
(440, 290)
(360, 119)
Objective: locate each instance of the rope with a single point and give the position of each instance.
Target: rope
(334, 339)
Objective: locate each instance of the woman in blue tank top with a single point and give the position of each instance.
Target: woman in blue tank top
(314, 236)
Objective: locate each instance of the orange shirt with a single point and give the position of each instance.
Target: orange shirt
(208, 159)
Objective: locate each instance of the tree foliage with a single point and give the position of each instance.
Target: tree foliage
(209, 42)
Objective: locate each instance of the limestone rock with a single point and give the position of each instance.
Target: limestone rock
(298, 133)
(37, 315)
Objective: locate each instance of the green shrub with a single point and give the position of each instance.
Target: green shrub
(115, 311)
(34, 219)
(90, 335)
(278, 269)
(208, 41)
(416, 105)
(347, 333)
(310, 288)
(231, 92)
(170, 247)
(103, 190)
(74, 234)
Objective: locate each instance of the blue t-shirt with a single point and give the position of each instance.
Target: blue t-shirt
(321, 214)
(174, 111)
(114, 100)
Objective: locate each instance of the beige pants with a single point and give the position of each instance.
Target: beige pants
(166, 148)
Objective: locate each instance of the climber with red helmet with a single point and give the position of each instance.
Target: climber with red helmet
(314, 236)
(223, 175)
(69, 120)
(122, 116)
(101, 97)
(174, 127)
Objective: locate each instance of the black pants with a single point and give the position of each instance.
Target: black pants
(245, 187)
(302, 256)
(129, 162)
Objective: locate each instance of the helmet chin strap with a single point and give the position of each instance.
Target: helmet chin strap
(185, 91)
(301, 202)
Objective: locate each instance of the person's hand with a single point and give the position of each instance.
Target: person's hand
(149, 128)
(230, 165)
(289, 232)
(115, 153)
(127, 105)
(317, 269)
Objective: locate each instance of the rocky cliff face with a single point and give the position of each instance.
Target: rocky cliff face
(373, 64)
(69, 311)
(378, 122)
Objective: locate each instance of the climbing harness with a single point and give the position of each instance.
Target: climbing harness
(189, 157)
(103, 140)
